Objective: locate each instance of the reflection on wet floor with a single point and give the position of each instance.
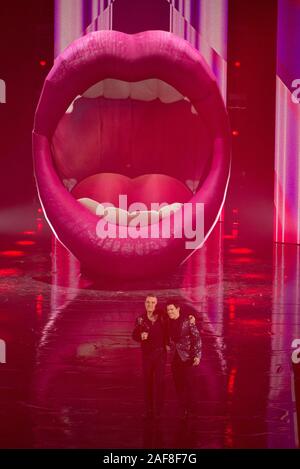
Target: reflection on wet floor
(72, 376)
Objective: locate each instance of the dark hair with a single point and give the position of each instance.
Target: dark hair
(151, 295)
(173, 301)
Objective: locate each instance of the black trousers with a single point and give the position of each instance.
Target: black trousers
(154, 364)
(184, 380)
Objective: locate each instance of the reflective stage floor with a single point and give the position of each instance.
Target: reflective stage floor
(72, 377)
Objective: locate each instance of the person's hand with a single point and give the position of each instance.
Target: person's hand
(196, 361)
(168, 348)
(144, 335)
(192, 320)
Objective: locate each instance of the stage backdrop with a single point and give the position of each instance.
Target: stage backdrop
(201, 22)
(287, 147)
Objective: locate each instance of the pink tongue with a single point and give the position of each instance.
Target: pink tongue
(149, 188)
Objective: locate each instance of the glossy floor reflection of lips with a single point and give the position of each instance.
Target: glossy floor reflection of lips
(139, 115)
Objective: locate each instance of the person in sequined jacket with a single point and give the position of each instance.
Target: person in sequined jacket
(185, 341)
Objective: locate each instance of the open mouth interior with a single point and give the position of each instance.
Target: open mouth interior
(141, 139)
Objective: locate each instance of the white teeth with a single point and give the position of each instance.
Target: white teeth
(168, 94)
(115, 215)
(123, 218)
(165, 211)
(193, 110)
(100, 209)
(116, 89)
(94, 91)
(145, 217)
(145, 90)
(70, 108)
(89, 203)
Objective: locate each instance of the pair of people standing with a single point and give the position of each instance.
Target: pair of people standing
(158, 331)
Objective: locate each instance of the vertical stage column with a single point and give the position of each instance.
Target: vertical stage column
(74, 18)
(287, 143)
(204, 24)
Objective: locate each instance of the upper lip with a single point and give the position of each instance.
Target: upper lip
(111, 54)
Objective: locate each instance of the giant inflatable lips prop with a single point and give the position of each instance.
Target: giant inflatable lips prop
(139, 115)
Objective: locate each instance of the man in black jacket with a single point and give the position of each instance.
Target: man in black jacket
(150, 331)
(185, 342)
